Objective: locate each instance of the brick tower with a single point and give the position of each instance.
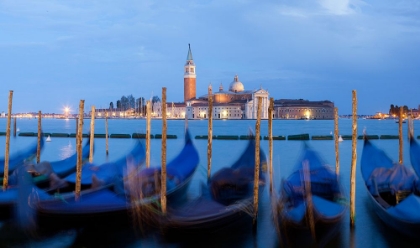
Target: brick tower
(189, 77)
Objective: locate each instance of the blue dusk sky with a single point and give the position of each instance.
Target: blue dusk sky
(55, 53)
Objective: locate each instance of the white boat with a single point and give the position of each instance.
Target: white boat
(48, 139)
(340, 138)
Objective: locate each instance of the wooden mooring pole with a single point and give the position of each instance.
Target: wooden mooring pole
(163, 169)
(106, 134)
(79, 149)
(210, 132)
(336, 137)
(353, 162)
(400, 132)
(92, 133)
(38, 148)
(257, 163)
(6, 154)
(14, 127)
(270, 142)
(148, 121)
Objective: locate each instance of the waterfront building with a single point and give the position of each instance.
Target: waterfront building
(114, 113)
(303, 109)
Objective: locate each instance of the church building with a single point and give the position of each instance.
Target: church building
(234, 103)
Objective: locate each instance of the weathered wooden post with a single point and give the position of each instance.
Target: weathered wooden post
(79, 149)
(353, 162)
(77, 126)
(92, 133)
(400, 132)
(148, 122)
(336, 137)
(270, 142)
(38, 148)
(6, 154)
(106, 133)
(257, 163)
(163, 169)
(14, 127)
(210, 132)
(308, 196)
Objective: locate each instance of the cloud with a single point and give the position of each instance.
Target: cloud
(337, 7)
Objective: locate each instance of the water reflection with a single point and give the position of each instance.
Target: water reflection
(66, 151)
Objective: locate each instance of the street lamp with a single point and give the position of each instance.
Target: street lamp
(66, 112)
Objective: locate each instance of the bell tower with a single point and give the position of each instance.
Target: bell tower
(189, 77)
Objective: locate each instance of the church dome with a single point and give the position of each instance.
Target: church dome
(236, 85)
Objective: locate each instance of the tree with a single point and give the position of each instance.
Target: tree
(155, 99)
(111, 105)
(124, 103)
(131, 101)
(119, 104)
(140, 105)
(391, 109)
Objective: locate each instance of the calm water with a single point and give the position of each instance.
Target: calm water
(369, 230)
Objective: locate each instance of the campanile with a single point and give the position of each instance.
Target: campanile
(189, 77)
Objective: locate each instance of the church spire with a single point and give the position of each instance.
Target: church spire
(189, 56)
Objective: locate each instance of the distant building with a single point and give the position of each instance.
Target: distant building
(114, 113)
(303, 109)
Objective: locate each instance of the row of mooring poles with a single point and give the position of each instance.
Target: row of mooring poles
(79, 136)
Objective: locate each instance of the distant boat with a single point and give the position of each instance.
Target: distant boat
(48, 139)
(340, 138)
(17, 130)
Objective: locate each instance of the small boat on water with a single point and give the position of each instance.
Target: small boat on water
(48, 139)
(101, 193)
(46, 176)
(117, 194)
(393, 190)
(310, 209)
(20, 157)
(226, 202)
(415, 155)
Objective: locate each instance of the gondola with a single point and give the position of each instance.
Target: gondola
(20, 157)
(111, 203)
(310, 208)
(60, 169)
(392, 189)
(415, 155)
(41, 177)
(226, 202)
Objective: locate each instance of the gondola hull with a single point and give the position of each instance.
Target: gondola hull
(118, 202)
(309, 211)
(384, 182)
(405, 227)
(294, 234)
(225, 204)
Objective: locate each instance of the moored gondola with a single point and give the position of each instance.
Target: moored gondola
(226, 202)
(393, 190)
(310, 209)
(112, 201)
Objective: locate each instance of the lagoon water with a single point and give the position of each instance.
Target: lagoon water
(369, 231)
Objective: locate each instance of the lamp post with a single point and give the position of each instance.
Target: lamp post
(66, 112)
